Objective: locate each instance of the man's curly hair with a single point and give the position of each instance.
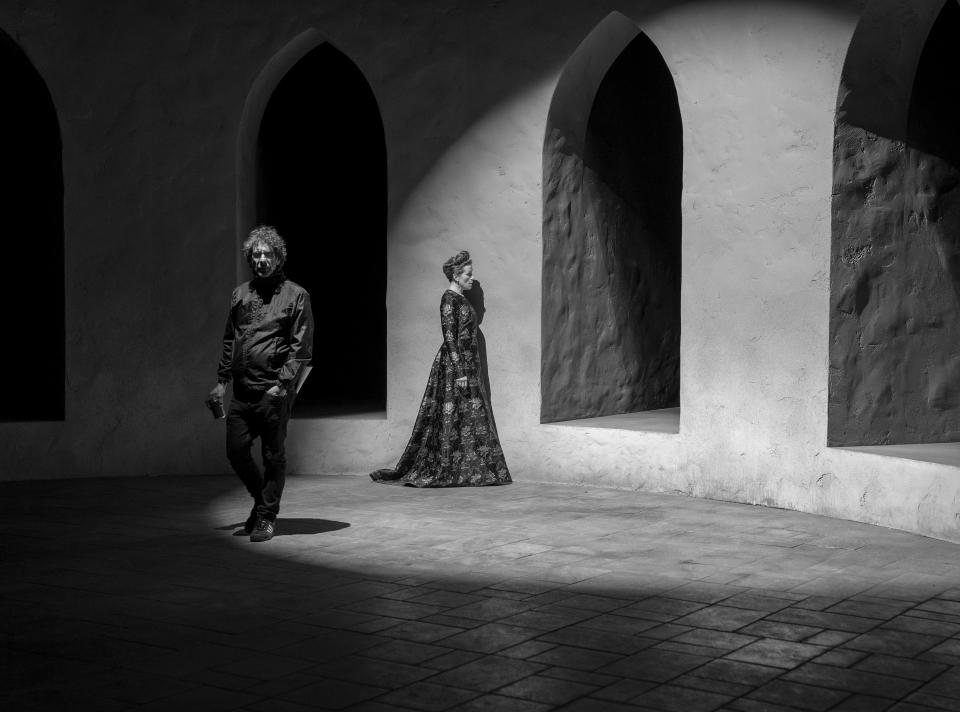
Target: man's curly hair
(268, 236)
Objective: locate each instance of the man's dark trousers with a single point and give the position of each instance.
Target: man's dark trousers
(254, 414)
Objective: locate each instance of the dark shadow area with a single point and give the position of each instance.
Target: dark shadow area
(880, 67)
(154, 604)
(294, 527)
(297, 527)
(934, 129)
(895, 263)
(31, 202)
(934, 115)
(634, 165)
(476, 297)
(322, 182)
(612, 232)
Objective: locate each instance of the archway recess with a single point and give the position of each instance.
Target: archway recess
(612, 167)
(895, 253)
(316, 170)
(31, 202)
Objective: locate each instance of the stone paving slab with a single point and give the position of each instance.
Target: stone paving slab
(138, 594)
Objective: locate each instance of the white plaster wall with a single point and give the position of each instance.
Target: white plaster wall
(464, 92)
(757, 91)
(757, 85)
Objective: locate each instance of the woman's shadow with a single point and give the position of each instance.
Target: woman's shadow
(290, 527)
(475, 296)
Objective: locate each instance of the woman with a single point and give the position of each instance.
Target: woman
(454, 441)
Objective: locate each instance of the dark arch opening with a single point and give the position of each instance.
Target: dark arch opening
(613, 159)
(321, 180)
(31, 202)
(895, 256)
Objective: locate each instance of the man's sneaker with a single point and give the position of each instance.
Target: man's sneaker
(264, 530)
(251, 520)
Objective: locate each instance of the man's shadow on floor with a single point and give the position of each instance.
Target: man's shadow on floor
(291, 527)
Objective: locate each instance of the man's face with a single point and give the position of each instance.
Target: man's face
(263, 260)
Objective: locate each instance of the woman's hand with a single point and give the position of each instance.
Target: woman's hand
(462, 382)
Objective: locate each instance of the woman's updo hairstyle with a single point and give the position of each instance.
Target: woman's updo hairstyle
(455, 265)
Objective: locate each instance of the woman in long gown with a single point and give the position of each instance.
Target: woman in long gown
(454, 441)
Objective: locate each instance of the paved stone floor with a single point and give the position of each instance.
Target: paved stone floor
(135, 594)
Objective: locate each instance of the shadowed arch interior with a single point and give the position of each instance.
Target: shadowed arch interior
(321, 181)
(31, 201)
(612, 160)
(895, 256)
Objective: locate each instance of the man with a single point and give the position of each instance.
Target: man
(267, 342)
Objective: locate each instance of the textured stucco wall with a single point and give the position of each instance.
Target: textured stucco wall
(895, 267)
(895, 336)
(610, 331)
(150, 97)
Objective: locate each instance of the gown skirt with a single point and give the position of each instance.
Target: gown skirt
(454, 441)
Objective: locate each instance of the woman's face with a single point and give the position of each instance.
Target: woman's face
(465, 279)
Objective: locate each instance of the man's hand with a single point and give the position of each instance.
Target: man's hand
(274, 392)
(216, 395)
(462, 382)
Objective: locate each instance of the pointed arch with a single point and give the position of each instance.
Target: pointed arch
(895, 246)
(881, 64)
(31, 202)
(312, 162)
(612, 179)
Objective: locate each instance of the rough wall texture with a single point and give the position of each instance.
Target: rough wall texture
(610, 332)
(895, 262)
(149, 98)
(895, 322)
(611, 247)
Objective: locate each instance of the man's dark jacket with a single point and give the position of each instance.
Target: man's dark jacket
(269, 334)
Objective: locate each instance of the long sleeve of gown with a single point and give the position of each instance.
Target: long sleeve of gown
(450, 323)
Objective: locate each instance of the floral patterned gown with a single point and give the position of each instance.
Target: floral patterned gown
(454, 441)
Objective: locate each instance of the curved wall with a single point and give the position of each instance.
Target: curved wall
(150, 200)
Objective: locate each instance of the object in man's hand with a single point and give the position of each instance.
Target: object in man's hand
(216, 407)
